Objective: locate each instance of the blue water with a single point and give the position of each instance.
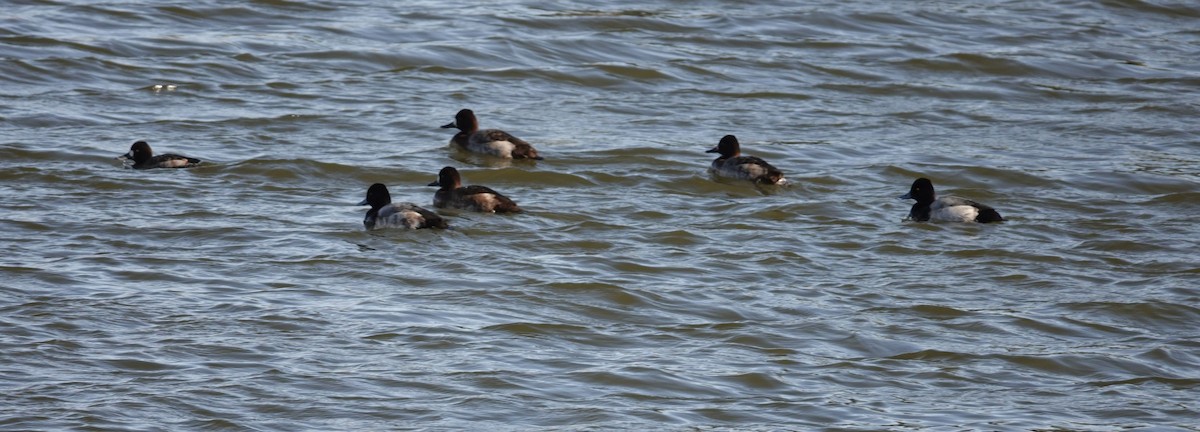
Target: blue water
(637, 292)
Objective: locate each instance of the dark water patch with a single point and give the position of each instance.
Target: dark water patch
(971, 63)
(677, 238)
(136, 365)
(162, 48)
(1122, 246)
(607, 22)
(1178, 358)
(592, 51)
(757, 95)
(939, 312)
(365, 61)
(1171, 10)
(207, 15)
(631, 72)
(51, 120)
(537, 329)
(1050, 327)
(291, 5)
(41, 47)
(1120, 186)
(631, 382)
(1173, 383)
(1179, 200)
(1140, 315)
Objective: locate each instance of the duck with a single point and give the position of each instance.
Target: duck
(929, 207)
(387, 214)
(453, 194)
(732, 165)
(493, 142)
(143, 158)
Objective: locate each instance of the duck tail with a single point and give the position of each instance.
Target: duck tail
(988, 215)
(774, 177)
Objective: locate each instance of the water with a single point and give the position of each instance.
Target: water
(637, 292)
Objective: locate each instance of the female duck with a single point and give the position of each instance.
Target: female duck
(143, 158)
(475, 198)
(493, 142)
(732, 165)
(386, 214)
(947, 208)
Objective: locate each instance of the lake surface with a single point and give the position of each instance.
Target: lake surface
(637, 292)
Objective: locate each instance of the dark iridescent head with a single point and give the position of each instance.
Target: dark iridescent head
(921, 190)
(448, 178)
(138, 153)
(377, 196)
(464, 121)
(728, 147)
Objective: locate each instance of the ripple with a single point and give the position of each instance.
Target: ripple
(637, 291)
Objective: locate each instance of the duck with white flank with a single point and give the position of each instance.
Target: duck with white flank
(732, 165)
(930, 207)
(453, 194)
(144, 158)
(493, 142)
(386, 214)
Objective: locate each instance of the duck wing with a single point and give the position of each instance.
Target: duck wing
(173, 161)
(408, 215)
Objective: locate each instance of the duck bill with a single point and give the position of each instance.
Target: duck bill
(450, 125)
(126, 156)
(905, 196)
(435, 183)
(714, 150)
(363, 203)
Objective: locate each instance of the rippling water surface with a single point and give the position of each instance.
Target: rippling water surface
(637, 292)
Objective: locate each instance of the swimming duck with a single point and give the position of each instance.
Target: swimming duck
(493, 142)
(143, 158)
(386, 214)
(732, 165)
(945, 209)
(476, 198)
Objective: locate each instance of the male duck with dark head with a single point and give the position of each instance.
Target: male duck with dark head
(732, 165)
(386, 214)
(453, 194)
(929, 207)
(144, 158)
(493, 142)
